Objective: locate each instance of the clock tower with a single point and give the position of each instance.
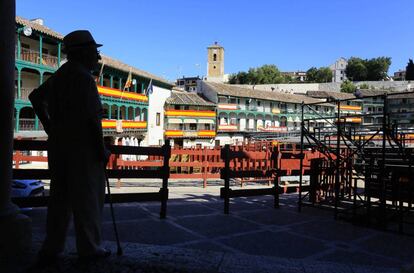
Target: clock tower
(215, 63)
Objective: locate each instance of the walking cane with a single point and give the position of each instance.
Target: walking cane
(118, 243)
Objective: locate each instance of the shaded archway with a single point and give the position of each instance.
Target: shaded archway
(27, 119)
(130, 113)
(137, 114)
(283, 121)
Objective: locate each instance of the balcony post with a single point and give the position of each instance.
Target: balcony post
(136, 86)
(19, 48)
(111, 81)
(41, 78)
(109, 111)
(101, 78)
(142, 88)
(40, 49)
(19, 87)
(118, 112)
(59, 49)
(16, 125)
(36, 125)
(120, 83)
(15, 228)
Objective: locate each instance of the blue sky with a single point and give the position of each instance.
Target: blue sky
(169, 37)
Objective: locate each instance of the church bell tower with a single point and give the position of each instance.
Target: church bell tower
(215, 62)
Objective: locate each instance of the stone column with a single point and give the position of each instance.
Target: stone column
(15, 228)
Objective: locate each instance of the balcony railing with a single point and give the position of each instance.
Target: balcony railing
(33, 56)
(29, 124)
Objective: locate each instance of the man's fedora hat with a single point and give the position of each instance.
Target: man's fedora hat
(79, 39)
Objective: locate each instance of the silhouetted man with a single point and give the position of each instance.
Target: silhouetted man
(69, 107)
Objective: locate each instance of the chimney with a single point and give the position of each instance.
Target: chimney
(38, 21)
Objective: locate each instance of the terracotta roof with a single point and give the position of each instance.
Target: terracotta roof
(330, 95)
(126, 68)
(236, 91)
(370, 92)
(187, 98)
(39, 28)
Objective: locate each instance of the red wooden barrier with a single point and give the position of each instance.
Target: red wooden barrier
(205, 163)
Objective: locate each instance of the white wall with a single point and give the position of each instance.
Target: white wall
(227, 139)
(156, 105)
(191, 143)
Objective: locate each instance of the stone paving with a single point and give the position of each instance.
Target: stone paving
(255, 237)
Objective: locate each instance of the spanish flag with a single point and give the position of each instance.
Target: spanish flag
(128, 82)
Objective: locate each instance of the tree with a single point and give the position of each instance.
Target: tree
(374, 69)
(409, 71)
(378, 68)
(356, 70)
(311, 74)
(322, 74)
(348, 87)
(265, 74)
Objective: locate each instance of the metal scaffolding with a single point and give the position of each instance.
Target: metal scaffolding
(366, 173)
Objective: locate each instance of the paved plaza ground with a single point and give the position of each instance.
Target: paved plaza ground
(255, 237)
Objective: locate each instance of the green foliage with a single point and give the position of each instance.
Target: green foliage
(265, 74)
(322, 74)
(363, 86)
(409, 71)
(374, 69)
(348, 87)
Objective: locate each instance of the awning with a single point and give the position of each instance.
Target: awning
(175, 121)
(207, 121)
(189, 120)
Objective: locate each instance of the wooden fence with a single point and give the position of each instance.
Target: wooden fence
(206, 163)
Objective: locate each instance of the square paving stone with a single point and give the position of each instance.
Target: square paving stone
(216, 225)
(390, 245)
(182, 210)
(206, 245)
(275, 217)
(132, 212)
(243, 263)
(148, 232)
(237, 204)
(331, 230)
(360, 258)
(280, 244)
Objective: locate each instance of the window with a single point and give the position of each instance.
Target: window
(206, 126)
(177, 107)
(193, 126)
(258, 103)
(214, 58)
(214, 67)
(158, 119)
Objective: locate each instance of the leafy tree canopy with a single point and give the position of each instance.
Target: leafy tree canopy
(265, 74)
(322, 74)
(374, 69)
